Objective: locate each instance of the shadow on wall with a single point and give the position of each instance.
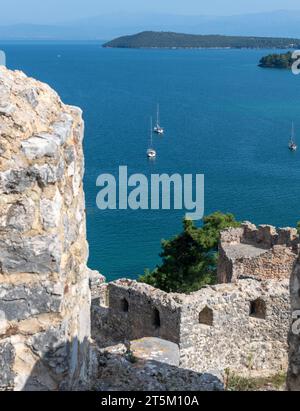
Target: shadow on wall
(61, 367)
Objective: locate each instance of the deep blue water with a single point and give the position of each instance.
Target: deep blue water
(224, 117)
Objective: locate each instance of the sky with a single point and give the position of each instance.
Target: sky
(52, 11)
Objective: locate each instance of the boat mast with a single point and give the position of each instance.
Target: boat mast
(293, 132)
(151, 134)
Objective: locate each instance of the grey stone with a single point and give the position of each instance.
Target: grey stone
(42, 145)
(48, 173)
(70, 154)
(52, 347)
(293, 381)
(62, 129)
(31, 96)
(39, 254)
(7, 356)
(20, 302)
(119, 370)
(16, 181)
(21, 215)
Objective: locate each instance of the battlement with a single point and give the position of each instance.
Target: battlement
(262, 252)
(217, 327)
(262, 236)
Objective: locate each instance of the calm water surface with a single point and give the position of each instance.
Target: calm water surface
(224, 117)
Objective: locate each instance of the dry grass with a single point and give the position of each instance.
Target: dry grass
(270, 383)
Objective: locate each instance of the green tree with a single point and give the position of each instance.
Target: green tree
(189, 259)
(277, 60)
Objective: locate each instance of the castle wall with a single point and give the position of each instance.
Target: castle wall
(258, 252)
(241, 326)
(246, 330)
(44, 288)
(293, 380)
(150, 312)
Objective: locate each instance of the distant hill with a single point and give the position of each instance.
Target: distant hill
(36, 32)
(107, 26)
(282, 61)
(152, 39)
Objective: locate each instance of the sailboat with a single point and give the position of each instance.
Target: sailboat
(158, 129)
(292, 145)
(151, 153)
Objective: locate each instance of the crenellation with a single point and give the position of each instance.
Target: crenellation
(217, 327)
(262, 252)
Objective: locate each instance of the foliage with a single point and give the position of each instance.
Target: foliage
(277, 61)
(152, 39)
(189, 260)
(235, 382)
(298, 227)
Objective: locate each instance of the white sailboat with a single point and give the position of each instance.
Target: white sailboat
(158, 129)
(292, 145)
(151, 153)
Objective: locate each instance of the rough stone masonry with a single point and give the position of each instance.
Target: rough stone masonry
(44, 286)
(241, 326)
(263, 253)
(293, 381)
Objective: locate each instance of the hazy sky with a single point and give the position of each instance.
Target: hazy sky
(49, 11)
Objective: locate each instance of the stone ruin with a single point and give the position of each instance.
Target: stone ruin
(137, 337)
(293, 381)
(263, 253)
(241, 324)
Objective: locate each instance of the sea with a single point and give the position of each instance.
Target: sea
(224, 117)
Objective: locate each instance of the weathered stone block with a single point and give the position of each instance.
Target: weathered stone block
(20, 301)
(21, 215)
(16, 181)
(39, 254)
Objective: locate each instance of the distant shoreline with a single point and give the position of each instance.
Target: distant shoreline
(173, 41)
(198, 48)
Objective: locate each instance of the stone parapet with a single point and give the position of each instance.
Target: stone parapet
(262, 252)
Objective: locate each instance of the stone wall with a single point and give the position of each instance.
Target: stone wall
(293, 381)
(137, 310)
(44, 289)
(241, 326)
(262, 252)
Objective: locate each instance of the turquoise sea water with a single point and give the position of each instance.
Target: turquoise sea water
(224, 117)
